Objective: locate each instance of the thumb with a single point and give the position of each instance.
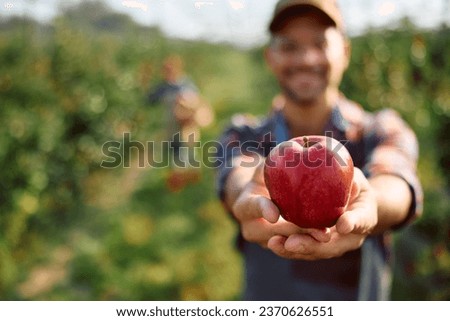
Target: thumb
(356, 189)
(346, 223)
(268, 209)
(355, 221)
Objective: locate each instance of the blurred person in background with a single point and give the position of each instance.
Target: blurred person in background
(186, 112)
(308, 54)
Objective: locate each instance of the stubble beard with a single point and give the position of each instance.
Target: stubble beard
(298, 100)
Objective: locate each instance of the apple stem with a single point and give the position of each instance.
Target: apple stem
(306, 141)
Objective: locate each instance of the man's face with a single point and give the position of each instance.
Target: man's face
(172, 69)
(308, 57)
(170, 72)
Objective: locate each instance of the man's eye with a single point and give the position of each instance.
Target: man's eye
(288, 47)
(321, 44)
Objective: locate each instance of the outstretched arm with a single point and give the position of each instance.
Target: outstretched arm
(374, 208)
(394, 200)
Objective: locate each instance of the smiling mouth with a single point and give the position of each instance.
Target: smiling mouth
(306, 77)
(306, 73)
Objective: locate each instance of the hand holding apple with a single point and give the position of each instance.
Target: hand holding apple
(257, 215)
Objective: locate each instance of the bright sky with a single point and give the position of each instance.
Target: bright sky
(242, 22)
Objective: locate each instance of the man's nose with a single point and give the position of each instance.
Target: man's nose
(308, 55)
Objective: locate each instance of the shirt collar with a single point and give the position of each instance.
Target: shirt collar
(336, 124)
(337, 121)
(281, 128)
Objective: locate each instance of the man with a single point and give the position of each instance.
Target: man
(308, 54)
(186, 110)
(186, 113)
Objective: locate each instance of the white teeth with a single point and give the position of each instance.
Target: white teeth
(316, 70)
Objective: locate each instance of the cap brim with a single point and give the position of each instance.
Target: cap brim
(285, 14)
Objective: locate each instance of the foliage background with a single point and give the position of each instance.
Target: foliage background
(71, 230)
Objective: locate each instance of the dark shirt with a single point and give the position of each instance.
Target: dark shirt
(167, 93)
(379, 143)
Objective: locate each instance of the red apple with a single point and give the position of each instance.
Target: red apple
(310, 179)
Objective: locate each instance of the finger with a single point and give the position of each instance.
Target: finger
(356, 221)
(258, 175)
(346, 223)
(293, 247)
(261, 230)
(268, 209)
(320, 235)
(255, 206)
(356, 188)
(287, 228)
(246, 207)
(251, 207)
(300, 244)
(257, 231)
(276, 245)
(306, 247)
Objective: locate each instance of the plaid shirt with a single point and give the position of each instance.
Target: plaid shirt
(380, 143)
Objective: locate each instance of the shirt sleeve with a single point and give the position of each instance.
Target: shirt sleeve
(188, 84)
(395, 151)
(237, 140)
(156, 94)
(228, 149)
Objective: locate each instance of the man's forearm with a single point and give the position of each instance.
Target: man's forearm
(237, 179)
(394, 199)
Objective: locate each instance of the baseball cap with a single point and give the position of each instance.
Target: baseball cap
(288, 8)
